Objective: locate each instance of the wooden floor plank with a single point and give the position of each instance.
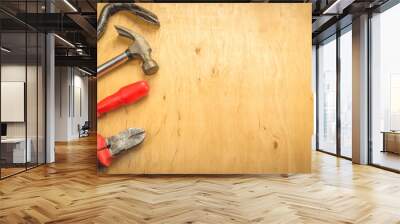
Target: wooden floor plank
(70, 191)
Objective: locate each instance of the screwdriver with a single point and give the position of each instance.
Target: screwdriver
(124, 96)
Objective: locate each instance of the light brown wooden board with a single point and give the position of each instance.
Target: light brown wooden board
(233, 93)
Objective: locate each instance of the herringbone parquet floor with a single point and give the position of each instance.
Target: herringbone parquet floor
(70, 191)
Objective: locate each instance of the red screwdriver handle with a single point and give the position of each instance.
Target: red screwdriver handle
(126, 95)
(103, 152)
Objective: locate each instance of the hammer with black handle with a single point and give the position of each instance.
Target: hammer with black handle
(140, 49)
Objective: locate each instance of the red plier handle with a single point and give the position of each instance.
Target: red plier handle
(107, 148)
(103, 152)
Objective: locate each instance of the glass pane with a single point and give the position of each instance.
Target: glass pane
(346, 94)
(22, 87)
(32, 85)
(31, 98)
(314, 90)
(41, 99)
(386, 89)
(327, 97)
(13, 87)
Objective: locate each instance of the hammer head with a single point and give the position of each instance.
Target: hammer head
(140, 49)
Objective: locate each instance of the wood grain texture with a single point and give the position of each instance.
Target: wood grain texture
(69, 191)
(233, 93)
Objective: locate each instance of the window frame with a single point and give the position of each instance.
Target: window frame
(381, 9)
(30, 30)
(334, 37)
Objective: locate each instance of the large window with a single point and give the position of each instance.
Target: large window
(327, 96)
(334, 101)
(346, 93)
(385, 89)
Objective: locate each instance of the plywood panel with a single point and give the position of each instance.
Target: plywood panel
(233, 93)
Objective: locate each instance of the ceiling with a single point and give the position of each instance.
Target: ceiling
(23, 21)
(329, 16)
(326, 13)
(77, 24)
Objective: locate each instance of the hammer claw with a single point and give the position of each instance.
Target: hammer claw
(127, 33)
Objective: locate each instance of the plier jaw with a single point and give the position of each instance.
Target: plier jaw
(107, 148)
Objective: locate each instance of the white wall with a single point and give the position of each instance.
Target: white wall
(81, 84)
(50, 95)
(15, 73)
(12, 73)
(33, 127)
(61, 103)
(12, 101)
(70, 83)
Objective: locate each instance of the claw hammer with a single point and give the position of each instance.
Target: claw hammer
(140, 49)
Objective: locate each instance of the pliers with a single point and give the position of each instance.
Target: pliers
(107, 148)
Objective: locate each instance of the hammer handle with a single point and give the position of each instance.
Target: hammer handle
(112, 63)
